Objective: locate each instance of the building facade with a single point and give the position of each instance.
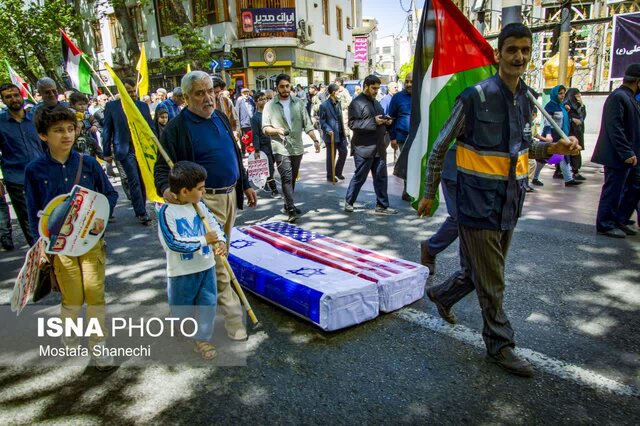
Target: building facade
(391, 53)
(251, 41)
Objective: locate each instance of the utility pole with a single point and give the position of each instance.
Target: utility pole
(511, 12)
(410, 24)
(565, 30)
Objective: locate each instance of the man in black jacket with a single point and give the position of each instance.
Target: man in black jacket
(203, 135)
(617, 149)
(367, 120)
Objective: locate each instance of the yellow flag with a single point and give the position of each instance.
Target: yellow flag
(143, 139)
(143, 74)
(188, 68)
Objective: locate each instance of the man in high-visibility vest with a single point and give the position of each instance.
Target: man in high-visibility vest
(492, 124)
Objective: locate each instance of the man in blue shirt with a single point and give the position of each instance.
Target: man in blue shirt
(392, 89)
(174, 104)
(116, 142)
(400, 110)
(48, 90)
(203, 135)
(20, 144)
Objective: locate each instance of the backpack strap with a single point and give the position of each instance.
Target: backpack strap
(79, 172)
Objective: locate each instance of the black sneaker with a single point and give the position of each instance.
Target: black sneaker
(145, 219)
(537, 182)
(340, 177)
(511, 362)
(627, 230)
(558, 176)
(573, 182)
(275, 193)
(578, 176)
(7, 244)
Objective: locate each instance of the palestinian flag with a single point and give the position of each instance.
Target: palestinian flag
(450, 55)
(19, 81)
(77, 67)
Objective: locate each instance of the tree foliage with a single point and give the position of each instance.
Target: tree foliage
(406, 69)
(30, 37)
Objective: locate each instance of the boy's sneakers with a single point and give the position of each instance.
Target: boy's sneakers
(385, 210)
(145, 219)
(101, 362)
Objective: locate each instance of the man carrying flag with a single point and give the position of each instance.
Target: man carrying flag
(491, 121)
(116, 141)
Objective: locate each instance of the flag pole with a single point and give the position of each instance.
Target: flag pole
(95, 74)
(546, 115)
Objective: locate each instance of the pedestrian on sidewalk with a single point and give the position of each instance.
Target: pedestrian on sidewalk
(368, 123)
(560, 115)
(400, 111)
(577, 116)
(332, 127)
(489, 199)
(617, 149)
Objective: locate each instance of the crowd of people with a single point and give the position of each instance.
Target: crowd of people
(48, 148)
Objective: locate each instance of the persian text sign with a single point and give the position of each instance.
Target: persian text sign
(258, 169)
(625, 49)
(271, 20)
(361, 49)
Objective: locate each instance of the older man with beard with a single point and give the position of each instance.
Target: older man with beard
(19, 144)
(48, 90)
(203, 135)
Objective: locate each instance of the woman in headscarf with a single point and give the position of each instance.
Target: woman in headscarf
(559, 113)
(577, 114)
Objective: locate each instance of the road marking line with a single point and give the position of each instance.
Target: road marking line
(542, 362)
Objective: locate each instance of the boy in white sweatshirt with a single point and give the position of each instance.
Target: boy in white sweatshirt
(191, 275)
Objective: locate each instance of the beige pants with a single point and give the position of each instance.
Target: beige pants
(223, 207)
(532, 168)
(81, 280)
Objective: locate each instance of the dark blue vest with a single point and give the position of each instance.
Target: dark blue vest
(492, 156)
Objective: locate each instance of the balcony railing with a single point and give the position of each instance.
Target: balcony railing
(260, 4)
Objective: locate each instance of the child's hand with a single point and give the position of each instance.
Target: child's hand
(220, 249)
(211, 237)
(98, 227)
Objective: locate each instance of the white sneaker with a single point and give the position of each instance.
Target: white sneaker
(238, 335)
(385, 211)
(102, 362)
(348, 208)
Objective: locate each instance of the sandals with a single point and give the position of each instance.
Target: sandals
(206, 350)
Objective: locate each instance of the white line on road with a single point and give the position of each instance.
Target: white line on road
(542, 362)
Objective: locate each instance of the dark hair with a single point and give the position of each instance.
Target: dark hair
(258, 95)
(371, 79)
(333, 88)
(7, 86)
(77, 97)
(281, 77)
(218, 82)
(516, 30)
(130, 81)
(339, 80)
(186, 174)
(47, 116)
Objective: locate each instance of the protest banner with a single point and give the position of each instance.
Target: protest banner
(258, 169)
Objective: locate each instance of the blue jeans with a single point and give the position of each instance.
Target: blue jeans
(378, 168)
(448, 231)
(136, 188)
(195, 293)
(619, 196)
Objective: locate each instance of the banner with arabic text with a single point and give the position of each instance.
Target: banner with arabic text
(625, 49)
(269, 20)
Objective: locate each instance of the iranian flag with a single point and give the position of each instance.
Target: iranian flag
(19, 81)
(450, 55)
(78, 69)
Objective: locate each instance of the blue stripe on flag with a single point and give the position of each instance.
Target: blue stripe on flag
(291, 295)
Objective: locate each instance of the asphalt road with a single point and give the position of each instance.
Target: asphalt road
(573, 299)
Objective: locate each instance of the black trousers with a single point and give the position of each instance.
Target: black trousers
(19, 204)
(619, 197)
(483, 254)
(288, 167)
(340, 159)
